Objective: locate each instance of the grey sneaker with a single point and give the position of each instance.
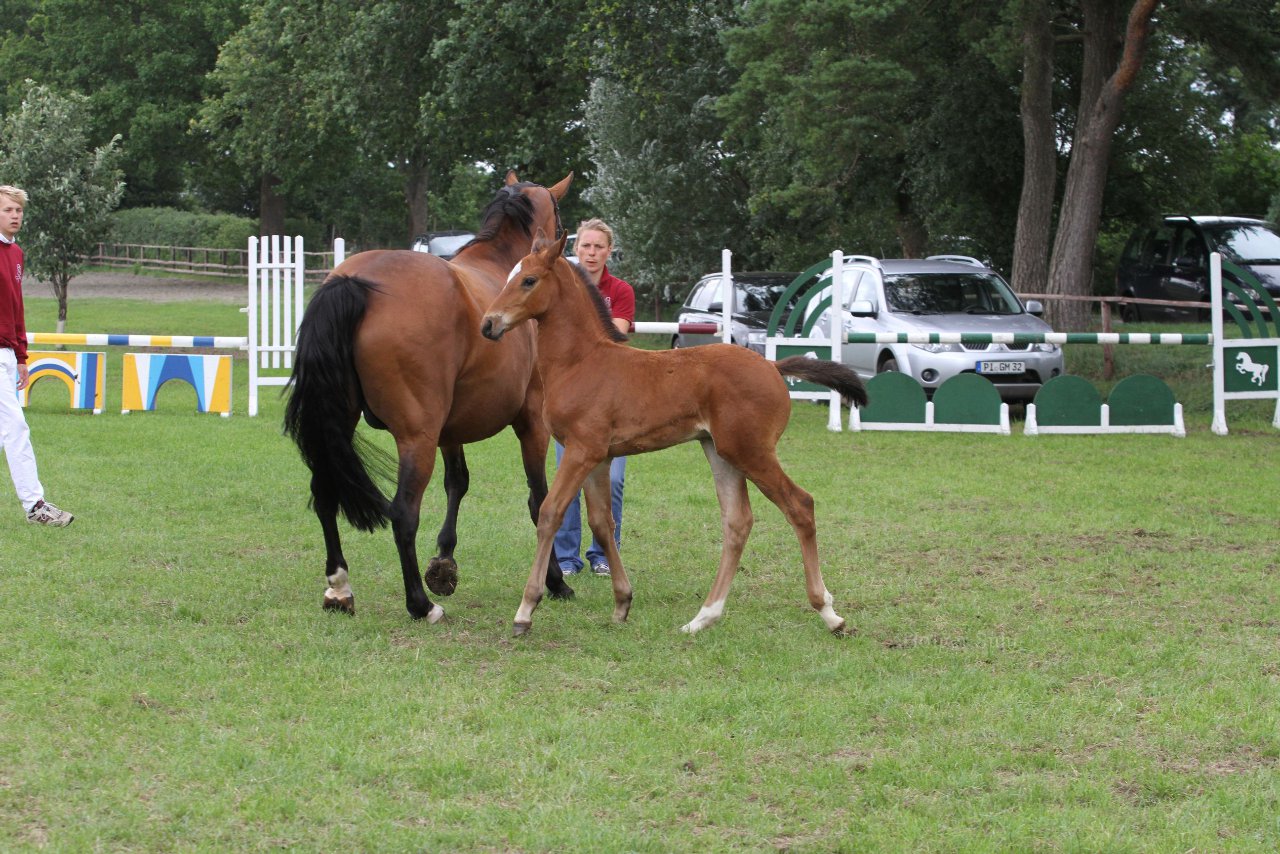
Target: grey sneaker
(45, 513)
(600, 568)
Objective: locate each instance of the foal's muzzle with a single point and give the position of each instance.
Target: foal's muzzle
(493, 327)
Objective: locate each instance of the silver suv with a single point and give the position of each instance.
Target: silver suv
(943, 293)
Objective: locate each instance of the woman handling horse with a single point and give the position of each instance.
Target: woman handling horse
(395, 335)
(605, 400)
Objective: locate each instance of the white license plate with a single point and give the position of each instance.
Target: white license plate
(1001, 367)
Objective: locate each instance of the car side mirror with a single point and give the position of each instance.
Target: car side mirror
(716, 307)
(862, 308)
(1034, 306)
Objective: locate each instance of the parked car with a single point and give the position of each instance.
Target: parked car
(1170, 261)
(443, 243)
(943, 293)
(754, 298)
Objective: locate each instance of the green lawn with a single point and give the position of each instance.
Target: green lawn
(1063, 643)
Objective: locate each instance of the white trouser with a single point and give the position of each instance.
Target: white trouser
(16, 435)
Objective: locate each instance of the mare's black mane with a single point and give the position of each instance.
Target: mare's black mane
(508, 204)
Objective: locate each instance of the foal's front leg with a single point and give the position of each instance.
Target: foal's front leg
(569, 477)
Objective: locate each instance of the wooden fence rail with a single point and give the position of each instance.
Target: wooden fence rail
(194, 260)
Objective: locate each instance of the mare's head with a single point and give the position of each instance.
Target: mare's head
(518, 211)
(541, 280)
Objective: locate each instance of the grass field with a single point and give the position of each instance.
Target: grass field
(1064, 643)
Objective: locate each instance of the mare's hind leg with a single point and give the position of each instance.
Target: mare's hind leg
(417, 461)
(338, 596)
(797, 505)
(441, 574)
(600, 519)
(736, 521)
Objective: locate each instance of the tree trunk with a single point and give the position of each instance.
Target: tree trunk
(1101, 105)
(270, 206)
(415, 196)
(59, 282)
(1039, 157)
(912, 233)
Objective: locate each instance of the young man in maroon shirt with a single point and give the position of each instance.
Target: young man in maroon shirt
(13, 368)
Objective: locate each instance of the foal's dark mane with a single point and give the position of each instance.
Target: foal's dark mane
(509, 203)
(606, 319)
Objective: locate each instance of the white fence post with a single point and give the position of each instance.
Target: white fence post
(276, 278)
(726, 296)
(836, 333)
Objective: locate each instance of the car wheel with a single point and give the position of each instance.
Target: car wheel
(675, 342)
(887, 365)
(1129, 313)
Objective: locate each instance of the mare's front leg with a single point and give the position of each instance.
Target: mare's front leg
(441, 574)
(417, 461)
(533, 437)
(569, 477)
(600, 520)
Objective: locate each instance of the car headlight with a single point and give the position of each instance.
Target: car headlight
(1045, 347)
(940, 348)
(756, 338)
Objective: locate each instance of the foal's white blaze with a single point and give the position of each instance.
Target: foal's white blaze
(339, 586)
(515, 271)
(707, 615)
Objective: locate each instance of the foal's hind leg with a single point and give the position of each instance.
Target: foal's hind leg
(441, 574)
(797, 506)
(338, 596)
(736, 521)
(417, 461)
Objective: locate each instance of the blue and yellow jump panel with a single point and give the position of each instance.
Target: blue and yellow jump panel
(145, 373)
(84, 375)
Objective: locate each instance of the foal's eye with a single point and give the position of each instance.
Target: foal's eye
(529, 282)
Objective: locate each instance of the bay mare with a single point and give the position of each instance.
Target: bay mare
(604, 400)
(395, 335)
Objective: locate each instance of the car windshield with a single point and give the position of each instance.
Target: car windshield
(760, 296)
(1246, 242)
(448, 244)
(950, 293)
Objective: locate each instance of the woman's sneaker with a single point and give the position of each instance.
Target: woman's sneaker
(45, 513)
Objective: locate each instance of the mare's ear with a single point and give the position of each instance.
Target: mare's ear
(540, 242)
(558, 191)
(511, 177)
(564, 238)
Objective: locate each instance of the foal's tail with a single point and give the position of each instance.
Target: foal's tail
(833, 375)
(325, 401)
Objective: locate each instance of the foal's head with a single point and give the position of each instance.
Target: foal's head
(541, 280)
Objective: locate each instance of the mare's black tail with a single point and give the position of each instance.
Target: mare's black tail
(325, 401)
(833, 375)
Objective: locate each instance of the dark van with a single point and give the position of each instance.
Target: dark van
(1170, 261)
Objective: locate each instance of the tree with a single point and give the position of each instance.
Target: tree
(662, 176)
(142, 65)
(1109, 71)
(72, 186)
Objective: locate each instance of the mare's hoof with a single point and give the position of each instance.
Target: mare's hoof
(346, 604)
(564, 591)
(432, 615)
(519, 630)
(441, 576)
